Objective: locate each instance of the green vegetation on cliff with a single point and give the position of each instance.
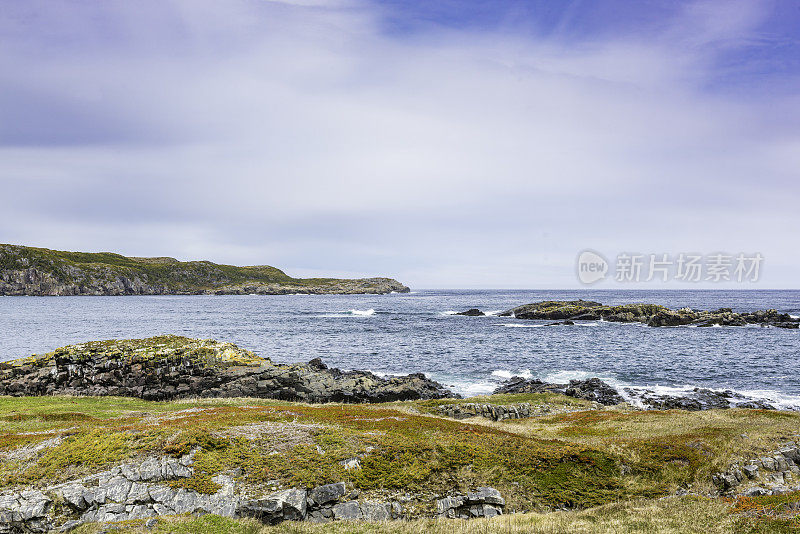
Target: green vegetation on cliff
(39, 271)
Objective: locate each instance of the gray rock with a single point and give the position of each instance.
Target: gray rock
(139, 494)
(74, 496)
(162, 494)
(751, 471)
(150, 470)
(486, 495)
(376, 511)
(117, 489)
(351, 463)
(347, 511)
(184, 502)
(95, 496)
(491, 511)
(328, 493)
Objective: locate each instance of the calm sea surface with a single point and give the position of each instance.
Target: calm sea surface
(404, 333)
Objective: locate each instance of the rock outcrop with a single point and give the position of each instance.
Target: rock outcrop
(143, 491)
(592, 389)
(649, 314)
(500, 412)
(483, 502)
(472, 312)
(172, 367)
(43, 272)
(775, 473)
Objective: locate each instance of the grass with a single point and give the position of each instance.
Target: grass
(609, 468)
(667, 516)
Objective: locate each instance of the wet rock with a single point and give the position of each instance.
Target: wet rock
(594, 389)
(472, 312)
(650, 314)
(170, 367)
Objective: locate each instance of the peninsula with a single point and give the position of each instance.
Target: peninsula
(43, 272)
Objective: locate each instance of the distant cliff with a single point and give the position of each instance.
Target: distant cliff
(43, 272)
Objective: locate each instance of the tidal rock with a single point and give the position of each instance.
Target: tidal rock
(594, 389)
(472, 312)
(649, 314)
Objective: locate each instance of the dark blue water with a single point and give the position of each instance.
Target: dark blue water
(413, 333)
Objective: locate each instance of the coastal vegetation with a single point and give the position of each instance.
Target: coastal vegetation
(39, 271)
(597, 469)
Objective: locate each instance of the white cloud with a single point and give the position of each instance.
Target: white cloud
(299, 134)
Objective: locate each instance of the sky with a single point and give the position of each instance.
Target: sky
(448, 144)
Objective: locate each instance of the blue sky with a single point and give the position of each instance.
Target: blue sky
(448, 144)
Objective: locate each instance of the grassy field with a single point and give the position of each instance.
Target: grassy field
(606, 470)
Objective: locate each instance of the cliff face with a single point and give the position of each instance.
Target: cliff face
(43, 272)
(173, 367)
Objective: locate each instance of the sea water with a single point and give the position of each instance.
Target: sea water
(419, 332)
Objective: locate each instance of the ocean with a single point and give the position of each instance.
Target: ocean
(417, 332)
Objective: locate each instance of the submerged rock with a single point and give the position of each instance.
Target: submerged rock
(172, 367)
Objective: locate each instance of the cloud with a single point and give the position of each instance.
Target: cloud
(304, 135)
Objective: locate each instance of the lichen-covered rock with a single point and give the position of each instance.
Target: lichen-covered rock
(170, 367)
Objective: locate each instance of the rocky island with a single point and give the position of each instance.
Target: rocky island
(43, 272)
(649, 314)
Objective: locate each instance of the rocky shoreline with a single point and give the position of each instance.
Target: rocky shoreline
(29, 271)
(174, 367)
(598, 391)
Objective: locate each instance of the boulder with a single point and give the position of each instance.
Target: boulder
(328, 493)
(472, 312)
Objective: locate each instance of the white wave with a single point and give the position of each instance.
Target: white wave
(593, 323)
(777, 399)
(493, 313)
(351, 313)
(448, 312)
(564, 376)
(794, 316)
(505, 375)
(518, 325)
(472, 389)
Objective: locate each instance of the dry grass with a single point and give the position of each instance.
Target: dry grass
(667, 516)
